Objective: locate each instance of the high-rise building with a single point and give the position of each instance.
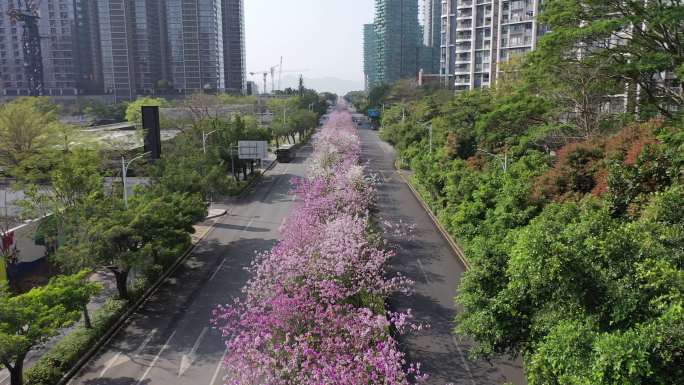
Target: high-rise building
(195, 45)
(68, 57)
(234, 46)
(399, 39)
(149, 34)
(447, 56)
(117, 44)
(370, 55)
(478, 36)
(432, 12)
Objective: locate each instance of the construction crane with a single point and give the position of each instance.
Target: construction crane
(27, 14)
(265, 73)
(272, 71)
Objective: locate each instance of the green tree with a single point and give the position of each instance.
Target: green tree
(98, 110)
(636, 41)
(27, 132)
(134, 109)
(30, 319)
(154, 228)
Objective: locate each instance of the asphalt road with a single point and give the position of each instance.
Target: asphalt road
(437, 271)
(170, 340)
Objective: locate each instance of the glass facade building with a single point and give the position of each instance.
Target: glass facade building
(234, 46)
(370, 55)
(117, 45)
(195, 45)
(399, 39)
(432, 12)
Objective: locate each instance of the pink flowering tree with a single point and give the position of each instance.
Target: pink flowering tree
(314, 309)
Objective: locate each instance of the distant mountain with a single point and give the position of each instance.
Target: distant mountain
(325, 84)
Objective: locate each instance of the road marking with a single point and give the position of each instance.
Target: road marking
(463, 359)
(218, 367)
(247, 225)
(189, 359)
(2, 381)
(118, 360)
(217, 270)
(156, 358)
(384, 178)
(423, 270)
(110, 364)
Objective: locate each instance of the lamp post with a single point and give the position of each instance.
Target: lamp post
(429, 127)
(124, 168)
(204, 140)
(502, 159)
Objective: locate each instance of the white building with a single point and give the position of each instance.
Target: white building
(479, 35)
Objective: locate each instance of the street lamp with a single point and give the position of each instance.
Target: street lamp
(429, 127)
(502, 159)
(204, 140)
(124, 168)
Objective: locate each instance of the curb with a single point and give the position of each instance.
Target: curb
(125, 317)
(454, 246)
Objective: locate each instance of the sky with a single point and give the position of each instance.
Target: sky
(322, 38)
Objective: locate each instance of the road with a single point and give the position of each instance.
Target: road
(432, 264)
(170, 341)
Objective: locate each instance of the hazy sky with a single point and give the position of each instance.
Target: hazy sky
(323, 36)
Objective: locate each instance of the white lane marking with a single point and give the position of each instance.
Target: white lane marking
(156, 358)
(464, 360)
(217, 270)
(247, 225)
(189, 359)
(110, 364)
(423, 270)
(218, 367)
(384, 178)
(118, 360)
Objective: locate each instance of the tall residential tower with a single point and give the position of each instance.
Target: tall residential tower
(478, 36)
(68, 55)
(234, 46)
(370, 56)
(399, 39)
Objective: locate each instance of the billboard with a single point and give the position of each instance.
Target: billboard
(252, 149)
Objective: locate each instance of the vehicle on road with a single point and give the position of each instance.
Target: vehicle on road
(285, 153)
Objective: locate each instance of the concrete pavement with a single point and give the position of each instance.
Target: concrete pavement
(432, 264)
(170, 341)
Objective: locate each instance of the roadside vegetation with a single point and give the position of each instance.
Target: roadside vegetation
(566, 199)
(75, 184)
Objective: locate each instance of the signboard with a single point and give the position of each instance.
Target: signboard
(373, 113)
(252, 149)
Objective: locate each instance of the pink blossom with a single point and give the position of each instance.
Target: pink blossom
(314, 312)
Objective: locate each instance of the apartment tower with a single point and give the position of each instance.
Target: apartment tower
(432, 12)
(370, 56)
(480, 35)
(195, 44)
(234, 46)
(69, 57)
(399, 39)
